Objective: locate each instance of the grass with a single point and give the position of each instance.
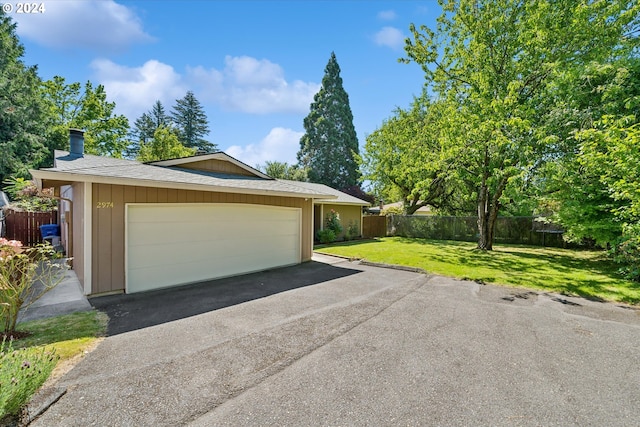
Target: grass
(70, 335)
(28, 362)
(581, 273)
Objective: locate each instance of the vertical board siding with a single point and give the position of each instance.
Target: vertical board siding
(213, 165)
(108, 274)
(25, 226)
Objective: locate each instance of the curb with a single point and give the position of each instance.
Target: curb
(41, 401)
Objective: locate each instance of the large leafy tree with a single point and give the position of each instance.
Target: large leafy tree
(23, 116)
(329, 147)
(283, 170)
(190, 120)
(164, 145)
(403, 159)
(598, 102)
(84, 107)
(493, 61)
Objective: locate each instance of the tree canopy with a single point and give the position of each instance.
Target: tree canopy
(164, 145)
(494, 64)
(329, 147)
(84, 107)
(283, 170)
(403, 159)
(23, 116)
(190, 120)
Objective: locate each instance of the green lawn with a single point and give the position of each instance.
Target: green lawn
(69, 335)
(583, 273)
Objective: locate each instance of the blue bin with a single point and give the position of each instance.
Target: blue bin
(49, 230)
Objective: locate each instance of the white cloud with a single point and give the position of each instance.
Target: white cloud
(280, 145)
(135, 89)
(387, 15)
(251, 85)
(97, 25)
(245, 84)
(390, 37)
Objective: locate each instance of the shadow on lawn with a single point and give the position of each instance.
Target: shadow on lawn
(526, 266)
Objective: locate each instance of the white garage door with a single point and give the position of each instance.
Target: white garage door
(171, 244)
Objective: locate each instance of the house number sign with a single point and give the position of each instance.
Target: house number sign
(104, 205)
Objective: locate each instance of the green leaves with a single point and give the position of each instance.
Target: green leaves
(164, 145)
(84, 107)
(500, 67)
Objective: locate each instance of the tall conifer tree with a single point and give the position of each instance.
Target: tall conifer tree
(192, 124)
(329, 145)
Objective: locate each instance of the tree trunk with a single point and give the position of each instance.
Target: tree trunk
(488, 207)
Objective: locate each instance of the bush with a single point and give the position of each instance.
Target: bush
(26, 196)
(326, 236)
(22, 372)
(332, 222)
(25, 275)
(353, 230)
(627, 253)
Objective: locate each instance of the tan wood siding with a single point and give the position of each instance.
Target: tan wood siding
(346, 213)
(108, 208)
(213, 165)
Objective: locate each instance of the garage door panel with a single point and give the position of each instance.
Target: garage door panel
(171, 244)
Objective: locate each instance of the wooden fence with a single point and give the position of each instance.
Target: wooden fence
(374, 226)
(25, 226)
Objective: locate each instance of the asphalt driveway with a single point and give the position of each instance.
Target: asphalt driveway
(349, 344)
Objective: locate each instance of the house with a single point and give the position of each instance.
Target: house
(399, 206)
(134, 227)
(348, 208)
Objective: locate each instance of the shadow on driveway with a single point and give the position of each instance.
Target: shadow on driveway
(136, 311)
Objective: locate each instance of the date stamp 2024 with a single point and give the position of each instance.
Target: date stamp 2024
(23, 8)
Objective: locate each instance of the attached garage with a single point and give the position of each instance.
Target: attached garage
(134, 227)
(168, 244)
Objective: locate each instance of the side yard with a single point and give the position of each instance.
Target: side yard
(588, 274)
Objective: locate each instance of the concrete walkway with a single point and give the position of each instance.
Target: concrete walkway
(65, 298)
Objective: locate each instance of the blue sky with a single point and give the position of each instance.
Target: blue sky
(254, 65)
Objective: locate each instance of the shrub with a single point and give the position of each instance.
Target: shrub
(22, 372)
(25, 275)
(326, 236)
(332, 222)
(26, 196)
(353, 230)
(627, 253)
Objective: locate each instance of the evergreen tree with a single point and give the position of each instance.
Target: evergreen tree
(158, 115)
(145, 126)
(23, 116)
(191, 122)
(329, 146)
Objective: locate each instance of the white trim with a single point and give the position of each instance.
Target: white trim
(87, 234)
(335, 202)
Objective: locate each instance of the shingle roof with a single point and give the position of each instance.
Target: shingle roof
(341, 198)
(89, 168)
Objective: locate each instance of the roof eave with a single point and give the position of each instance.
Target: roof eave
(44, 175)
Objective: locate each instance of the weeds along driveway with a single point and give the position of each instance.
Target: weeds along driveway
(368, 346)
